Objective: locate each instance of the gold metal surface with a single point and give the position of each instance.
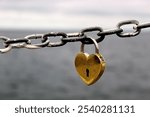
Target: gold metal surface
(89, 67)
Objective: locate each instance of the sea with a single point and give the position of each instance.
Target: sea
(49, 73)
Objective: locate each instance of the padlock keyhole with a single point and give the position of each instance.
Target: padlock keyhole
(87, 72)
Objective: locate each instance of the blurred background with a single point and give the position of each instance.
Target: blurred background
(49, 73)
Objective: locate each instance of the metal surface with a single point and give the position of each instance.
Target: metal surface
(36, 46)
(91, 29)
(55, 34)
(90, 67)
(71, 37)
(74, 37)
(132, 34)
(17, 43)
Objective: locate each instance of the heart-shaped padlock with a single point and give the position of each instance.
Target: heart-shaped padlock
(90, 67)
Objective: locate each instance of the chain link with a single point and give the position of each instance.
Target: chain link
(35, 37)
(132, 34)
(55, 34)
(64, 38)
(91, 29)
(17, 43)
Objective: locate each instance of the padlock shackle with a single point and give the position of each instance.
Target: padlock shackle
(95, 44)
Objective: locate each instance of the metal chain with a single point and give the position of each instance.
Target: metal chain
(64, 38)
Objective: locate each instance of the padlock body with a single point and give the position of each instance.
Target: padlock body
(89, 67)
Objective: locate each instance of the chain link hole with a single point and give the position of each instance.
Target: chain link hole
(128, 28)
(54, 39)
(35, 41)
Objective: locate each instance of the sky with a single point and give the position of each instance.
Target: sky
(70, 14)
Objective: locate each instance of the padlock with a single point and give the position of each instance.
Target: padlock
(90, 67)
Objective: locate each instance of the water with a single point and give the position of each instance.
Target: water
(49, 73)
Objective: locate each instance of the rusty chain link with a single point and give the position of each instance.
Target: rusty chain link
(64, 38)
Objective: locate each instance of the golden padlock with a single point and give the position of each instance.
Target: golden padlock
(90, 67)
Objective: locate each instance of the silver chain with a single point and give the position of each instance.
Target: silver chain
(70, 37)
